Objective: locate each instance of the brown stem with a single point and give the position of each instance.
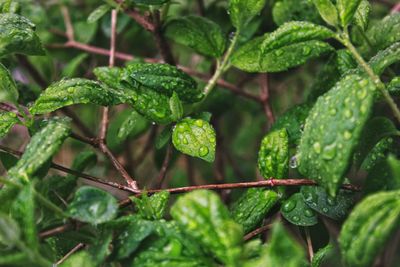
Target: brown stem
(257, 231)
(201, 8)
(161, 42)
(55, 231)
(72, 251)
(264, 95)
(164, 167)
(139, 18)
(68, 24)
(309, 244)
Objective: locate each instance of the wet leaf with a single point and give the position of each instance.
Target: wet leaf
(151, 2)
(321, 255)
(385, 32)
(198, 33)
(195, 137)
(8, 88)
(361, 17)
(9, 230)
(7, 121)
(328, 11)
(297, 212)
(295, 10)
(93, 205)
(98, 13)
(333, 130)
(243, 11)
(385, 58)
(346, 10)
(176, 107)
(132, 125)
(152, 207)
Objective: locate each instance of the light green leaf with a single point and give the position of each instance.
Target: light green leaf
(17, 35)
(361, 17)
(297, 212)
(333, 129)
(328, 11)
(385, 58)
(372, 221)
(242, 11)
(252, 207)
(195, 138)
(199, 33)
(78, 91)
(321, 255)
(153, 207)
(8, 88)
(346, 9)
(98, 13)
(164, 79)
(394, 86)
(43, 145)
(9, 231)
(394, 165)
(203, 216)
(93, 205)
(132, 125)
(7, 121)
(273, 156)
(81, 258)
(176, 107)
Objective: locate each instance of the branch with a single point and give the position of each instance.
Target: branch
(257, 232)
(161, 42)
(72, 251)
(264, 95)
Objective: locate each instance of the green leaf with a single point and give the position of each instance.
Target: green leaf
(328, 11)
(98, 13)
(132, 125)
(345, 61)
(372, 221)
(252, 207)
(394, 86)
(385, 32)
(78, 91)
(242, 11)
(7, 121)
(84, 31)
(43, 145)
(111, 76)
(336, 208)
(333, 129)
(281, 250)
(18, 36)
(202, 215)
(9, 231)
(297, 212)
(273, 156)
(295, 10)
(361, 17)
(347, 9)
(81, 258)
(93, 205)
(321, 255)
(71, 68)
(176, 107)
(385, 58)
(394, 165)
(290, 45)
(198, 33)
(8, 88)
(153, 207)
(195, 138)
(163, 138)
(164, 79)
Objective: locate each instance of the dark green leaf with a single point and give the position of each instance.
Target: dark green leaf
(7, 121)
(43, 145)
(110, 76)
(336, 208)
(78, 91)
(17, 36)
(252, 207)
(297, 212)
(8, 160)
(176, 107)
(84, 31)
(98, 13)
(294, 10)
(378, 153)
(163, 138)
(153, 207)
(346, 9)
(199, 33)
(203, 216)
(242, 11)
(273, 155)
(327, 11)
(9, 231)
(394, 165)
(8, 88)
(195, 138)
(394, 86)
(333, 129)
(93, 205)
(372, 221)
(345, 61)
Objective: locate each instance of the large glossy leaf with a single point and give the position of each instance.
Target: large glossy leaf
(243, 11)
(333, 129)
(93, 205)
(8, 88)
(372, 222)
(273, 155)
(346, 10)
(43, 145)
(17, 35)
(79, 91)
(203, 216)
(252, 207)
(199, 33)
(7, 121)
(290, 45)
(297, 212)
(164, 79)
(195, 137)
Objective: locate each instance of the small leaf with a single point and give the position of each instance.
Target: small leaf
(111, 76)
(163, 138)
(327, 11)
(273, 156)
(7, 121)
(385, 32)
(203, 216)
(164, 79)
(345, 61)
(297, 212)
(84, 160)
(333, 129)
(81, 258)
(361, 17)
(394, 86)
(8, 88)
(132, 125)
(252, 207)
(195, 138)
(78, 91)
(17, 36)
(153, 207)
(372, 221)
(321, 255)
(43, 145)
(199, 33)
(93, 205)
(176, 107)
(98, 13)
(347, 9)
(336, 208)
(71, 68)
(9, 231)
(243, 11)
(394, 165)
(385, 58)
(84, 31)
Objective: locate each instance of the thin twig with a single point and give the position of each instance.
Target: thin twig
(264, 95)
(55, 231)
(164, 167)
(139, 18)
(309, 244)
(72, 251)
(69, 29)
(161, 42)
(257, 232)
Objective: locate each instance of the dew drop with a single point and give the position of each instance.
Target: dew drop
(325, 209)
(308, 213)
(185, 141)
(317, 147)
(306, 50)
(203, 151)
(289, 206)
(278, 52)
(347, 135)
(329, 152)
(293, 162)
(331, 201)
(332, 111)
(199, 123)
(348, 113)
(295, 218)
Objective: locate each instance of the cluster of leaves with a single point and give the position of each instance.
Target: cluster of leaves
(340, 133)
